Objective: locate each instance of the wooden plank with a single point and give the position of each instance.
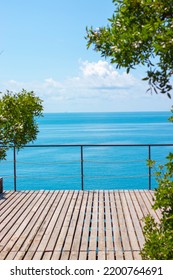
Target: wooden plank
(12, 201)
(101, 255)
(115, 223)
(29, 255)
(92, 255)
(119, 255)
(110, 255)
(47, 256)
(56, 255)
(140, 200)
(4, 196)
(11, 256)
(101, 224)
(35, 224)
(18, 205)
(65, 220)
(79, 226)
(7, 198)
(65, 255)
(139, 213)
(73, 255)
(150, 196)
(121, 222)
(128, 255)
(19, 256)
(135, 220)
(136, 255)
(27, 235)
(129, 223)
(33, 209)
(82, 255)
(87, 224)
(73, 222)
(45, 228)
(9, 216)
(50, 236)
(38, 255)
(19, 221)
(3, 255)
(94, 222)
(108, 221)
(149, 206)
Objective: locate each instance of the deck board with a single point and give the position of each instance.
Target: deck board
(108, 225)
(49, 238)
(101, 226)
(73, 225)
(65, 222)
(79, 225)
(128, 220)
(93, 229)
(86, 224)
(32, 229)
(122, 225)
(23, 226)
(135, 221)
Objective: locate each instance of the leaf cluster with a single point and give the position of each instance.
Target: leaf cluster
(140, 32)
(159, 236)
(18, 113)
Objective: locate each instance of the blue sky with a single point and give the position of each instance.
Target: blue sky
(44, 49)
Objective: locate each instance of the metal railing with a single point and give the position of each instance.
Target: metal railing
(82, 159)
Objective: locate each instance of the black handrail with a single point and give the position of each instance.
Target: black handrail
(81, 146)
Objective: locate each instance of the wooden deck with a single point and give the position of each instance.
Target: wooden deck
(73, 225)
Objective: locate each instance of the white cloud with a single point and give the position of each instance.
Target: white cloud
(100, 69)
(52, 83)
(98, 87)
(102, 75)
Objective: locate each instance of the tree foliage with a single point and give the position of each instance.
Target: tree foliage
(140, 32)
(17, 119)
(159, 236)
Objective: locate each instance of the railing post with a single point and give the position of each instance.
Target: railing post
(82, 170)
(149, 168)
(1, 185)
(14, 158)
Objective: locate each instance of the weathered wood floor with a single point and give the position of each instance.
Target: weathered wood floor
(73, 225)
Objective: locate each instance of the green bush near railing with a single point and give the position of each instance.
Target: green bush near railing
(159, 236)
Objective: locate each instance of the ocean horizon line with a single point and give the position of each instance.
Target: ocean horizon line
(105, 112)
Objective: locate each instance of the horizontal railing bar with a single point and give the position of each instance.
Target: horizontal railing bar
(92, 145)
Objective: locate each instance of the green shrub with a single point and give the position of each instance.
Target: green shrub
(159, 236)
(18, 115)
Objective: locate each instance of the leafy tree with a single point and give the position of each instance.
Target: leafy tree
(140, 32)
(17, 119)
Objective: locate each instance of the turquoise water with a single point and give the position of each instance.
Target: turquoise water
(104, 167)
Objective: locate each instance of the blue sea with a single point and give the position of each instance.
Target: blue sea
(104, 167)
